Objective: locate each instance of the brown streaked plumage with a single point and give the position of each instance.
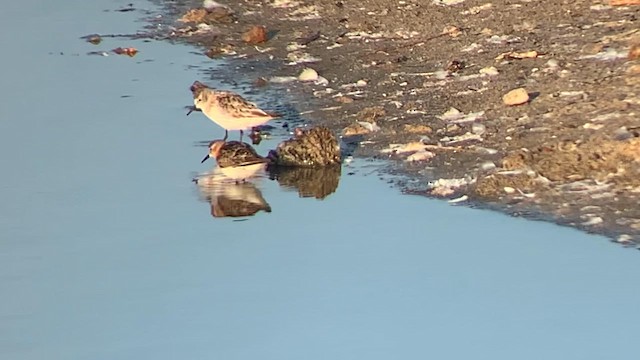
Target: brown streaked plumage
(234, 154)
(227, 109)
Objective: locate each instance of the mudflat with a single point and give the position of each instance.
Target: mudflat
(529, 107)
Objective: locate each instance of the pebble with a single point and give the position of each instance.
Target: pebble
(487, 166)
(490, 70)
(256, 35)
(308, 74)
(633, 70)
(478, 129)
(624, 239)
(516, 97)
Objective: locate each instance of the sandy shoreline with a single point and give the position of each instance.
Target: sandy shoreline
(431, 78)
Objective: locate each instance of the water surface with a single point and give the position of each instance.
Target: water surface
(108, 250)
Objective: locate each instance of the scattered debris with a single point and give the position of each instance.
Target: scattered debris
(404, 148)
(531, 54)
(129, 51)
(579, 138)
(447, 187)
(461, 138)
(459, 199)
(422, 155)
(447, 2)
(95, 39)
(609, 54)
(624, 2)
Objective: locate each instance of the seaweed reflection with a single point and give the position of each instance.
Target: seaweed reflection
(235, 191)
(318, 182)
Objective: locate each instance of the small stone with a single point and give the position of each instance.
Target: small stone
(509, 190)
(633, 70)
(95, 39)
(478, 129)
(453, 128)
(488, 166)
(553, 64)
(622, 133)
(361, 83)
(634, 52)
(624, 239)
(490, 70)
(516, 97)
(595, 220)
(308, 74)
(592, 126)
(256, 35)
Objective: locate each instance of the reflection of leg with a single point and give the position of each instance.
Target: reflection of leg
(226, 134)
(241, 133)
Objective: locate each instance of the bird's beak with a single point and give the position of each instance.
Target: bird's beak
(205, 159)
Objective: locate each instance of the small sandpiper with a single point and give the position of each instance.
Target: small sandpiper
(236, 160)
(234, 153)
(227, 109)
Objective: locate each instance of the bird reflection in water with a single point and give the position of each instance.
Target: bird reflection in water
(227, 187)
(231, 187)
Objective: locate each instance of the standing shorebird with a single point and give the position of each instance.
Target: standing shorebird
(227, 109)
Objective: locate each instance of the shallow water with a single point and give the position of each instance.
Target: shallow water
(110, 251)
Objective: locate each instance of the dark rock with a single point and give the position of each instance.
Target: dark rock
(310, 148)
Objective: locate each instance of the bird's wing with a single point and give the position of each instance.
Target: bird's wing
(238, 106)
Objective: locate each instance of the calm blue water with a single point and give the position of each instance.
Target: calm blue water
(107, 250)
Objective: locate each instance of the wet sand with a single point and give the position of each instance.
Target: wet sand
(422, 83)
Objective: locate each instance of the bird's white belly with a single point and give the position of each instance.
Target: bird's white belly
(229, 122)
